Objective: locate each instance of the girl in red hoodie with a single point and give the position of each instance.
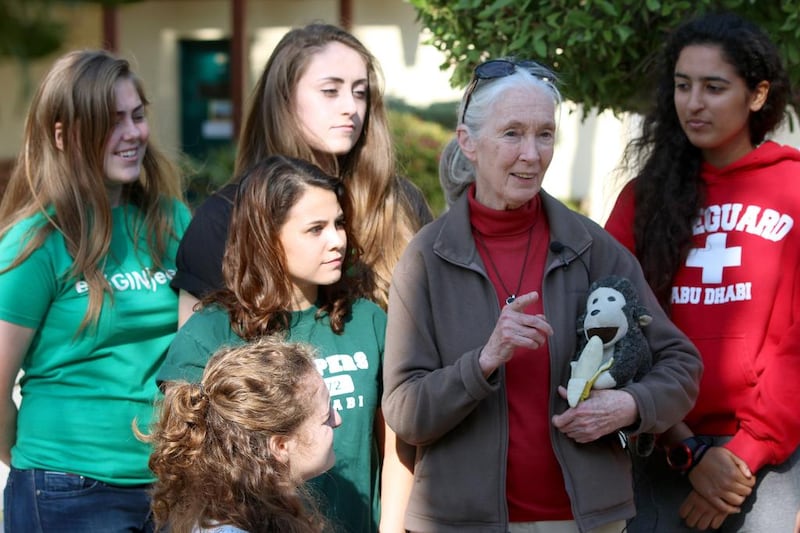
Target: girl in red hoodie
(711, 216)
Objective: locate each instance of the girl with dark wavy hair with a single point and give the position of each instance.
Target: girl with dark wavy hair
(710, 215)
(292, 268)
(319, 98)
(231, 452)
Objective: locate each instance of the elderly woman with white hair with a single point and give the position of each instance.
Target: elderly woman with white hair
(482, 328)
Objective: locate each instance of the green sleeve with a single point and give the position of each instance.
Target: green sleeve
(186, 359)
(203, 334)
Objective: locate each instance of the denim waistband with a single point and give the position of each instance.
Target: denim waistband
(40, 474)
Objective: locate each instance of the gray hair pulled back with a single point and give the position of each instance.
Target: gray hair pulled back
(459, 170)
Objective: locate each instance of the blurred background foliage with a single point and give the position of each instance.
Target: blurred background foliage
(419, 135)
(603, 50)
(29, 29)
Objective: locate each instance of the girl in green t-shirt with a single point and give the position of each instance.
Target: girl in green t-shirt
(289, 243)
(89, 228)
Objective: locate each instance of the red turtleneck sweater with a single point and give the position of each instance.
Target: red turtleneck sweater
(534, 483)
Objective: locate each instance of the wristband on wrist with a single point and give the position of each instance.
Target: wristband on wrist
(685, 455)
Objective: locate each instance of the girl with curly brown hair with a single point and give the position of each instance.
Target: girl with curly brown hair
(232, 452)
(291, 268)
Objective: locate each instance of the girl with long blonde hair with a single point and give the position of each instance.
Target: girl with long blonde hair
(319, 98)
(89, 229)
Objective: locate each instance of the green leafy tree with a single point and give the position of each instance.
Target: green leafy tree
(419, 142)
(29, 30)
(603, 50)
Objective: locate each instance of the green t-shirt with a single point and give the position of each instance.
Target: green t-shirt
(350, 364)
(81, 394)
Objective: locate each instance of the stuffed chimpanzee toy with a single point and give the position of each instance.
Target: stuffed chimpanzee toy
(612, 349)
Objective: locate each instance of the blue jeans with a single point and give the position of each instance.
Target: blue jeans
(39, 501)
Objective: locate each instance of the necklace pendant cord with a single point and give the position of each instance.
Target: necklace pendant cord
(511, 295)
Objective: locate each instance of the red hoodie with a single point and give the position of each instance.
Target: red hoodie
(737, 297)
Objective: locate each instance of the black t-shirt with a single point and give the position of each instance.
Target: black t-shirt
(199, 257)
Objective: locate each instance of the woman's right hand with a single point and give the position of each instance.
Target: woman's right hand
(723, 479)
(514, 329)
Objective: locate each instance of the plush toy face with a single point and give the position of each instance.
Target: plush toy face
(605, 316)
(616, 351)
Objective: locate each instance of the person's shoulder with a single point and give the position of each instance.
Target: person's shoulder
(24, 230)
(367, 316)
(778, 151)
(367, 308)
(209, 225)
(558, 213)
(595, 230)
(209, 325)
(420, 243)
(204, 333)
(573, 224)
(423, 242)
(209, 317)
(785, 159)
(220, 203)
(173, 208)
(770, 160)
(25, 225)
(179, 210)
(628, 189)
(620, 220)
(774, 166)
(431, 230)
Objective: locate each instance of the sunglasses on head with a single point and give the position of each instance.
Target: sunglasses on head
(500, 68)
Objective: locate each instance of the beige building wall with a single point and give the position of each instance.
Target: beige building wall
(149, 33)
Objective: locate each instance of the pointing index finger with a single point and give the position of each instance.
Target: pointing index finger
(519, 304)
